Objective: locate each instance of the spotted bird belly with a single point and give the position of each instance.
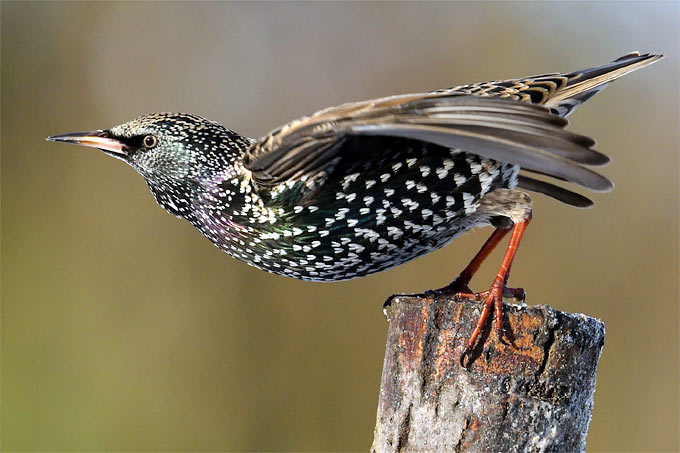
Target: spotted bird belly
(409, 201)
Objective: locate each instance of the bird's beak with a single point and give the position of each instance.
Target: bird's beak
(95, 139)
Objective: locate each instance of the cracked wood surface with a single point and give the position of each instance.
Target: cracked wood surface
(533, 395)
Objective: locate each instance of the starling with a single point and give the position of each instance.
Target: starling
(366, 186)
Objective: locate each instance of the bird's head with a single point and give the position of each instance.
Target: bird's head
(174, 152)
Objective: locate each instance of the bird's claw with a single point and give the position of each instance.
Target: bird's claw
(493, 300)
(466, 352)
(431, 294)
(508, 293)
(515, 293)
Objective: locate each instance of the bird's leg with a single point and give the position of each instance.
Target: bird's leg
(460, 284)
(494, 297)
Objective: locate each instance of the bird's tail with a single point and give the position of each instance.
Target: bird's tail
(584, 84)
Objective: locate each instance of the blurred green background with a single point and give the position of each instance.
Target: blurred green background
(124, 329)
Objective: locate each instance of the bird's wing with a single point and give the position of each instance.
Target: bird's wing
(501, 129)
(562, 93)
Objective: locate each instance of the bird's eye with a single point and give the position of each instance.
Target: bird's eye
(149, 141)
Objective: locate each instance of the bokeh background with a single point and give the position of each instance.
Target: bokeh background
(124, 329)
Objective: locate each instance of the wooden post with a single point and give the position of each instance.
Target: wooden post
(534, 395)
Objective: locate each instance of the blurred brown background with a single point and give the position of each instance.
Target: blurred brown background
(124, 329)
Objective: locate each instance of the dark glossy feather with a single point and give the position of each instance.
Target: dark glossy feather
(553, 191)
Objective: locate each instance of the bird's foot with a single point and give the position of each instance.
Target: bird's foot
(518, 294)
(492, 299)
(459, 288)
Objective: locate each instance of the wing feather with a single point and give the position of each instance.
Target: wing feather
(497, 128)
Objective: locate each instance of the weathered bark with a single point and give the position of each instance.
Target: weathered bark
(533, 395)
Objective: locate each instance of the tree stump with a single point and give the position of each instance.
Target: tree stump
(533, 395)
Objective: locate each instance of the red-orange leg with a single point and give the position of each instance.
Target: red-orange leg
(494, 297)
(460, 284)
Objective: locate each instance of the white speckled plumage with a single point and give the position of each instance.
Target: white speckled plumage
(366, 186)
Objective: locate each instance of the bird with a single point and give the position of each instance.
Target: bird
(366, 186)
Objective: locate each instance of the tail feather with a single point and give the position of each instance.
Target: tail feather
(582, 85)
(561, 93)
(554, 191)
